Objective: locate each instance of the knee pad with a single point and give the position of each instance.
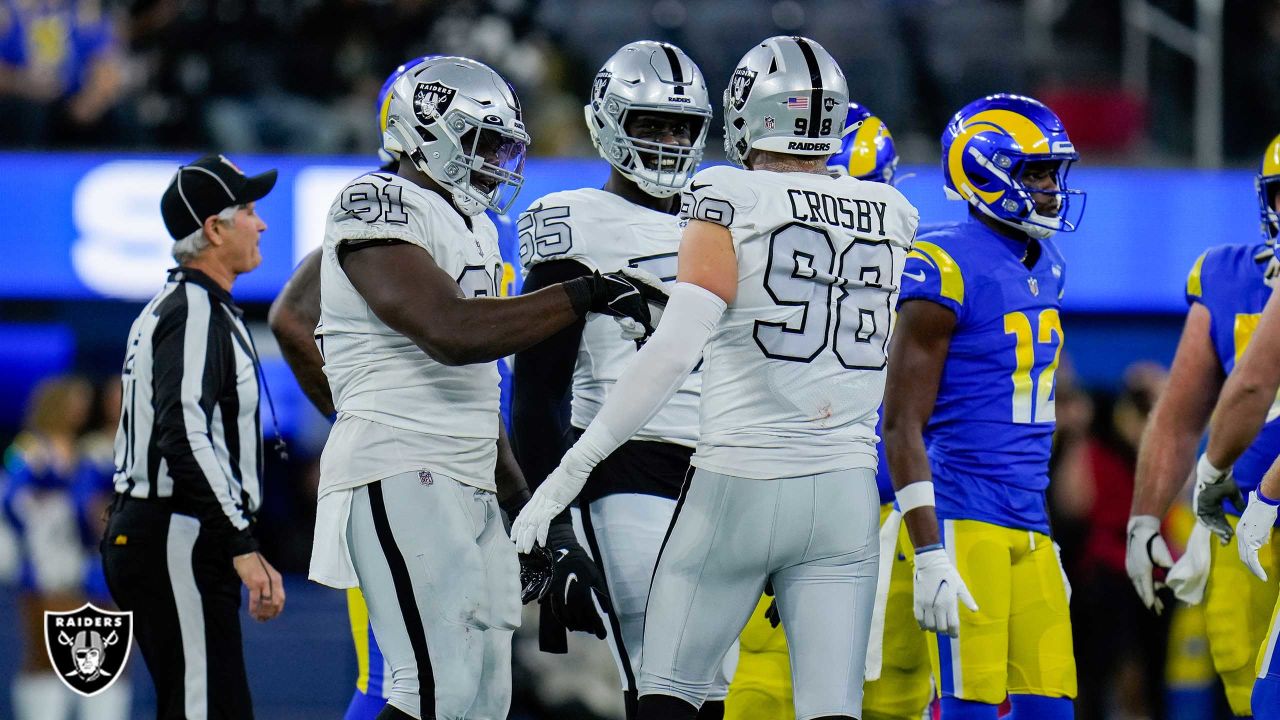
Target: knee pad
(1039, 707)
(954, 708)
(1266, 698)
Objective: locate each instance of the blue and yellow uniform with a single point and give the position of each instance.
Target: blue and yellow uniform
(988, 441)
(1228, 280)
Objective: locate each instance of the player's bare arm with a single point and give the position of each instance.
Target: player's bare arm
(917, 355)
(513, 493)
(1248, 392)
(1168, 451)
(293, 318)
(1177, 421)
(707, 259)
(411, 294)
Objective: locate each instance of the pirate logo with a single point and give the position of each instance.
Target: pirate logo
(599, 85)
(430, 101)
(740, 87)
(88, 647)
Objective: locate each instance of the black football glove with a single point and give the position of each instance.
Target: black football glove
(627, 293)
(575, 576)
(536, 568)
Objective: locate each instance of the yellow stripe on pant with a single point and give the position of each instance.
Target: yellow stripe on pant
(1237, 614)
(761, 686)
(1019, 641)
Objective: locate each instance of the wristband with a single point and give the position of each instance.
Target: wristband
(914, 495)
(581, 292)
(1206, 470)
(929, 548)
(1265, 499)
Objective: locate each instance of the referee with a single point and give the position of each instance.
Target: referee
(188, 455)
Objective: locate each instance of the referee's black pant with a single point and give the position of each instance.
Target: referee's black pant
(185, 596)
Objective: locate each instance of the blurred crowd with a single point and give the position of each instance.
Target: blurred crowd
(301, 75)
(1132, 664)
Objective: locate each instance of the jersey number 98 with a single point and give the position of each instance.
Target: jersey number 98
(803, 272)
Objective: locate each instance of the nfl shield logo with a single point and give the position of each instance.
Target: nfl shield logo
(424, 477)
(88, 647)
(768, 122)
(1034, 285)
(430, 100)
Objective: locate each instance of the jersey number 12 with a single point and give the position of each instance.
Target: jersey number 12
(1018, 324)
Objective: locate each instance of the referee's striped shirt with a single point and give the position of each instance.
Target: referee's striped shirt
(190, 434)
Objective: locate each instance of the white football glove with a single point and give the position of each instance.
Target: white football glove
(1066, 584)
(938, 590)
(1212, 487)
(1145, 551)
(552, 497)
(1253, 531)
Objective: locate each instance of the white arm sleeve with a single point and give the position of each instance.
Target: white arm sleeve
(653, 377)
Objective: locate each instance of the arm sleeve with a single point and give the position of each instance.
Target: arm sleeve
(192, 362)
(932, 274)
(542, 379)
(654, 376)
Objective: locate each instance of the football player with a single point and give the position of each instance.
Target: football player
(648, 115)
(1227, 289)
(410, 326)
(786, 279)
(897, 686)
(293, 318)
(969, 407)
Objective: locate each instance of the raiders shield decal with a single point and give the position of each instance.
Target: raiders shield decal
(431, 100)
(88, 647)
(740, 86)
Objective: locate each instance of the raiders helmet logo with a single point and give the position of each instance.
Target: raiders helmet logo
(431, 100)
(88, 647)
(740, 87)
(599, 85)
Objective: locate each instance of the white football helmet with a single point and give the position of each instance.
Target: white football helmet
(653, 77)
(787, 95)
(460, 123)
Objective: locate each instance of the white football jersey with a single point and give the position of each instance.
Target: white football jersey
(398, 409)
(795, 372)
(606, 232)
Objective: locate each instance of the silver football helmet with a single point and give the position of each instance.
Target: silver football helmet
(787, 95)
(648, 76)
(460, 123)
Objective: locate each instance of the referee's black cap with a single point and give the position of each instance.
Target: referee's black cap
(207, 187)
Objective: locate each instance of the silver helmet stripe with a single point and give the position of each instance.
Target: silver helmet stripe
(815, 76)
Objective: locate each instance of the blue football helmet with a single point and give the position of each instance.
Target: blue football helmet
(1267, 184)
(384, 104)
(867, 151)
(985, 150)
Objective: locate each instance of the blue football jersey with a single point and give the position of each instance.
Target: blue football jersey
(1228, 281)
(509, 247)
(991, 430)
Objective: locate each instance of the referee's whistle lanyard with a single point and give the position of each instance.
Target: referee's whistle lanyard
(280, 446)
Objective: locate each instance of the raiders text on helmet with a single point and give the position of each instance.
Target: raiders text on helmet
(787, 95)
(648, 77)
(460, 123)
